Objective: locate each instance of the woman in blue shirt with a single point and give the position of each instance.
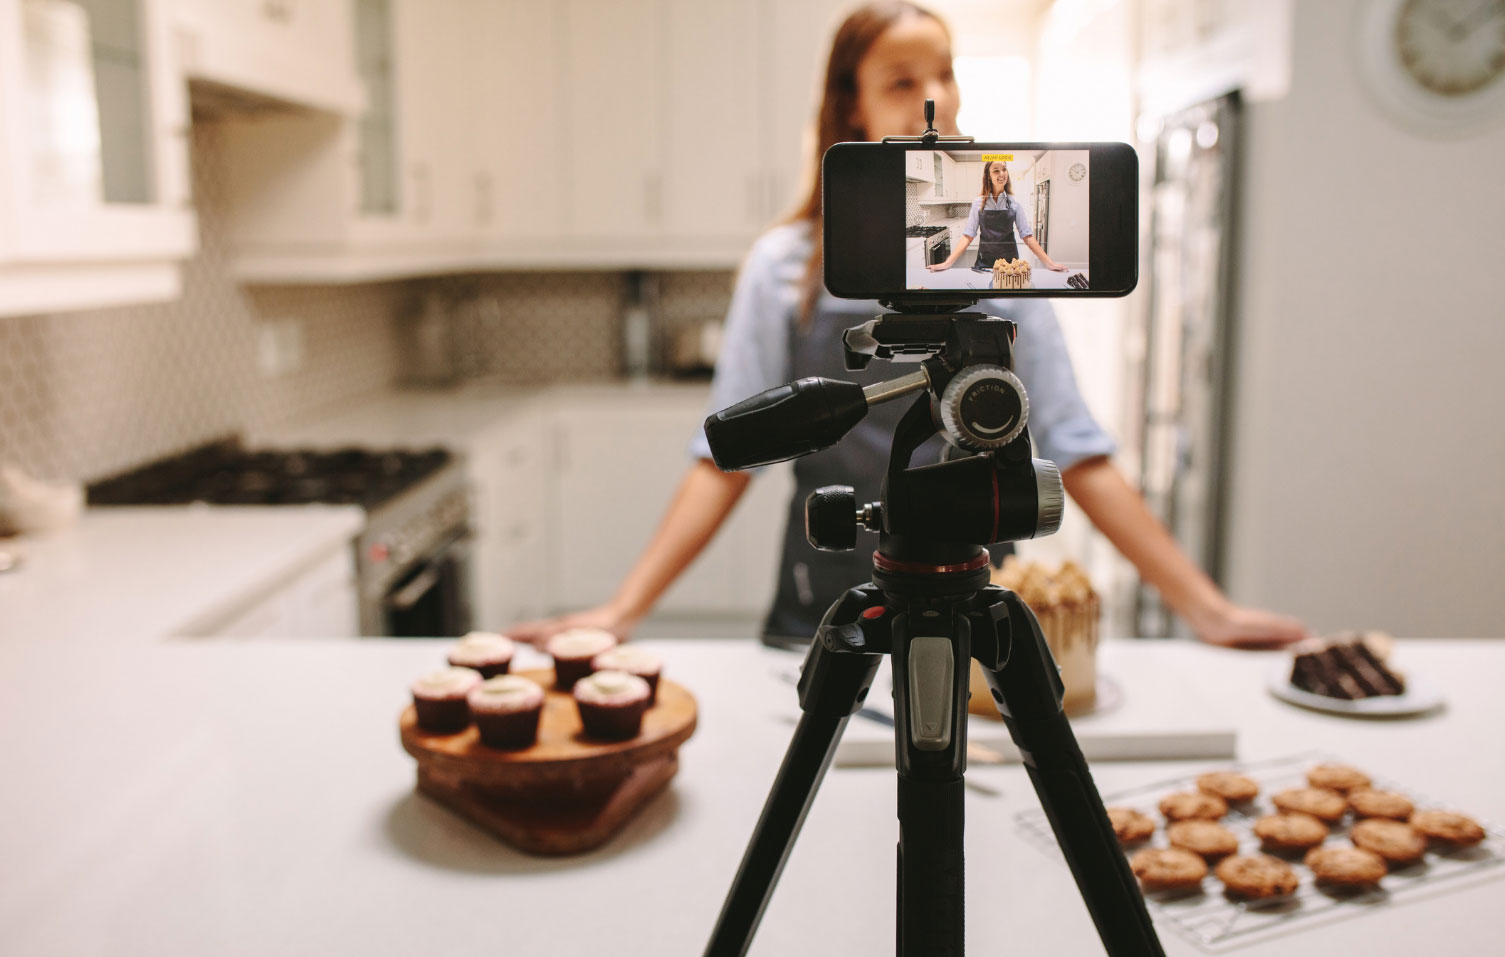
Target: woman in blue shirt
(997, 216)
(886, 60)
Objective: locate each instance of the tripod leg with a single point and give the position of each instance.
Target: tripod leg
(1027, 689)
(930, 658)
(837, 674)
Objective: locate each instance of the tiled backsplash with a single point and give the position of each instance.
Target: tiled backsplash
(85, 395)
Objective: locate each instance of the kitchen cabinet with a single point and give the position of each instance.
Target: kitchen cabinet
(918, 167)
(295, 51)
(568, 491)
(581, 134)
(305, 201)
(94, 186)
(318, 602)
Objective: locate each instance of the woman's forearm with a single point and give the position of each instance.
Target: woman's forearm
(1122, 515)
(702, 502)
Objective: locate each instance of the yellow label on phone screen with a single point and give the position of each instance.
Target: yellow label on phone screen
(998, 157)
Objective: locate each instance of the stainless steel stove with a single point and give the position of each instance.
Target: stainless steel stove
(412, 559)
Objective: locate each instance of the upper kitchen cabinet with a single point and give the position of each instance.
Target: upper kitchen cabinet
(293, 51)
(318, 197)
(94, 187)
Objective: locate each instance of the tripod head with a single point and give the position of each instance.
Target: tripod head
(930, 516)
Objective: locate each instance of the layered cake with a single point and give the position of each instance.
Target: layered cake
(1011, 274)
(1068, 609)
(1348, 666)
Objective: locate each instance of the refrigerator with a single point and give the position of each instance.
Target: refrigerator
(1183, 334)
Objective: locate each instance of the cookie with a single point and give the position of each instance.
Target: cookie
(1167, 868)
(1389, 804)
(1448, 827)
(1320, 803)
(1290, 832)
(1337, 777)
(1397, 843)
(1130, 826)
(1349, 866)
(1206, 838)
(1228, 785)
(1257, 875)
(1186, 805)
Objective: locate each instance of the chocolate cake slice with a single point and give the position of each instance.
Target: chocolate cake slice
(1346, 667)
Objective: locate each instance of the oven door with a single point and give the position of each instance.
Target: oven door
(433, 599)
(938, 250)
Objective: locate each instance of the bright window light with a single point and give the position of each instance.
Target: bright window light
(996, 97)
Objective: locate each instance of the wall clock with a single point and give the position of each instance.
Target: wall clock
(1436, 66)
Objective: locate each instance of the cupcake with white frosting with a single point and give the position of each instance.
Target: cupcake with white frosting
(506, 710)
(611, 704)
(635, 661)
(439, 699)
(572, 651)
(488, 653)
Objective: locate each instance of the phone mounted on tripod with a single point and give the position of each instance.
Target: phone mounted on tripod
(931, 609)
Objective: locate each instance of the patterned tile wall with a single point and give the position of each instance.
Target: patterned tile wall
(551, 326)
(87, 394)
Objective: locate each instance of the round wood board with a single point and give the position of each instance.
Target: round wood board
(563, 758)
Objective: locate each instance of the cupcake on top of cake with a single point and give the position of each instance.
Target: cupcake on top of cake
(1011, 273)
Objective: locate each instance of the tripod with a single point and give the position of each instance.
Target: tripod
(931, 608)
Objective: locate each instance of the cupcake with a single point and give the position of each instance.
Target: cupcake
(506, 711)
(573, 650)
(634, 661)
(487, 653)
(612, 704)
(439, 699)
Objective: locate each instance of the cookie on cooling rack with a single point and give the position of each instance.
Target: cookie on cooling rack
(1447, 827)
(1396, 842)
(1290, 832)
(1346, 866)
(1206, 839)
(1186, 805)
(1337, 777)
(1257, 876)
(1168, 868)
(1130, 826)
(1367, 802)
(1320, 803)
(1228, 785)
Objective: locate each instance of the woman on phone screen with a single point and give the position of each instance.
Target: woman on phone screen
(993, 220)
(886, 60)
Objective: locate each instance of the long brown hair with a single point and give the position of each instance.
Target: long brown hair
(834, 122)
(987, 180)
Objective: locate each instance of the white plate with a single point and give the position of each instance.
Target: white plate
(1421, 696)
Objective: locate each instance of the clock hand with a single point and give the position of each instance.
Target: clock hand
(1489, 7)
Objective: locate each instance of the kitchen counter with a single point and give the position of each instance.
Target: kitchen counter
(151, 572)
(231, 798)
(960, 277)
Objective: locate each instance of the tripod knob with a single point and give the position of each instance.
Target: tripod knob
(984, 407)
(831, 518)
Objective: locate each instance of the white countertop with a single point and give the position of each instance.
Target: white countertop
(151, 572)
(226, 798)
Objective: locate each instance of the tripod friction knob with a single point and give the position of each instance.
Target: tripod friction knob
(984, 407)
(831, 518)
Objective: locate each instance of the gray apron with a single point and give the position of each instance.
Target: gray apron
(995, 237)
(810, 580)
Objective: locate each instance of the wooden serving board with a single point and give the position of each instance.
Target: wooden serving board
(565, 794)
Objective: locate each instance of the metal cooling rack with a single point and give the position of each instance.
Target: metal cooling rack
(1217, 923)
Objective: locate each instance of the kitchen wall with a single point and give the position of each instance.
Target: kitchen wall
(88, 394)
(1368, 457)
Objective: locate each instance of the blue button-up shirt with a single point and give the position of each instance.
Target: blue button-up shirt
(1021, 218)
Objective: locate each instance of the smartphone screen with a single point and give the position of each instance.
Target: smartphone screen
(917, 221)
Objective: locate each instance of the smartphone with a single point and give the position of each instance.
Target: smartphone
(918, 221)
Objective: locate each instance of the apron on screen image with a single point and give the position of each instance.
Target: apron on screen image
(995, 237)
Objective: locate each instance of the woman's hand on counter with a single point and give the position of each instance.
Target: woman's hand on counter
(1235, 626)
(607, 617)
(1056, 267)
(939, 267)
